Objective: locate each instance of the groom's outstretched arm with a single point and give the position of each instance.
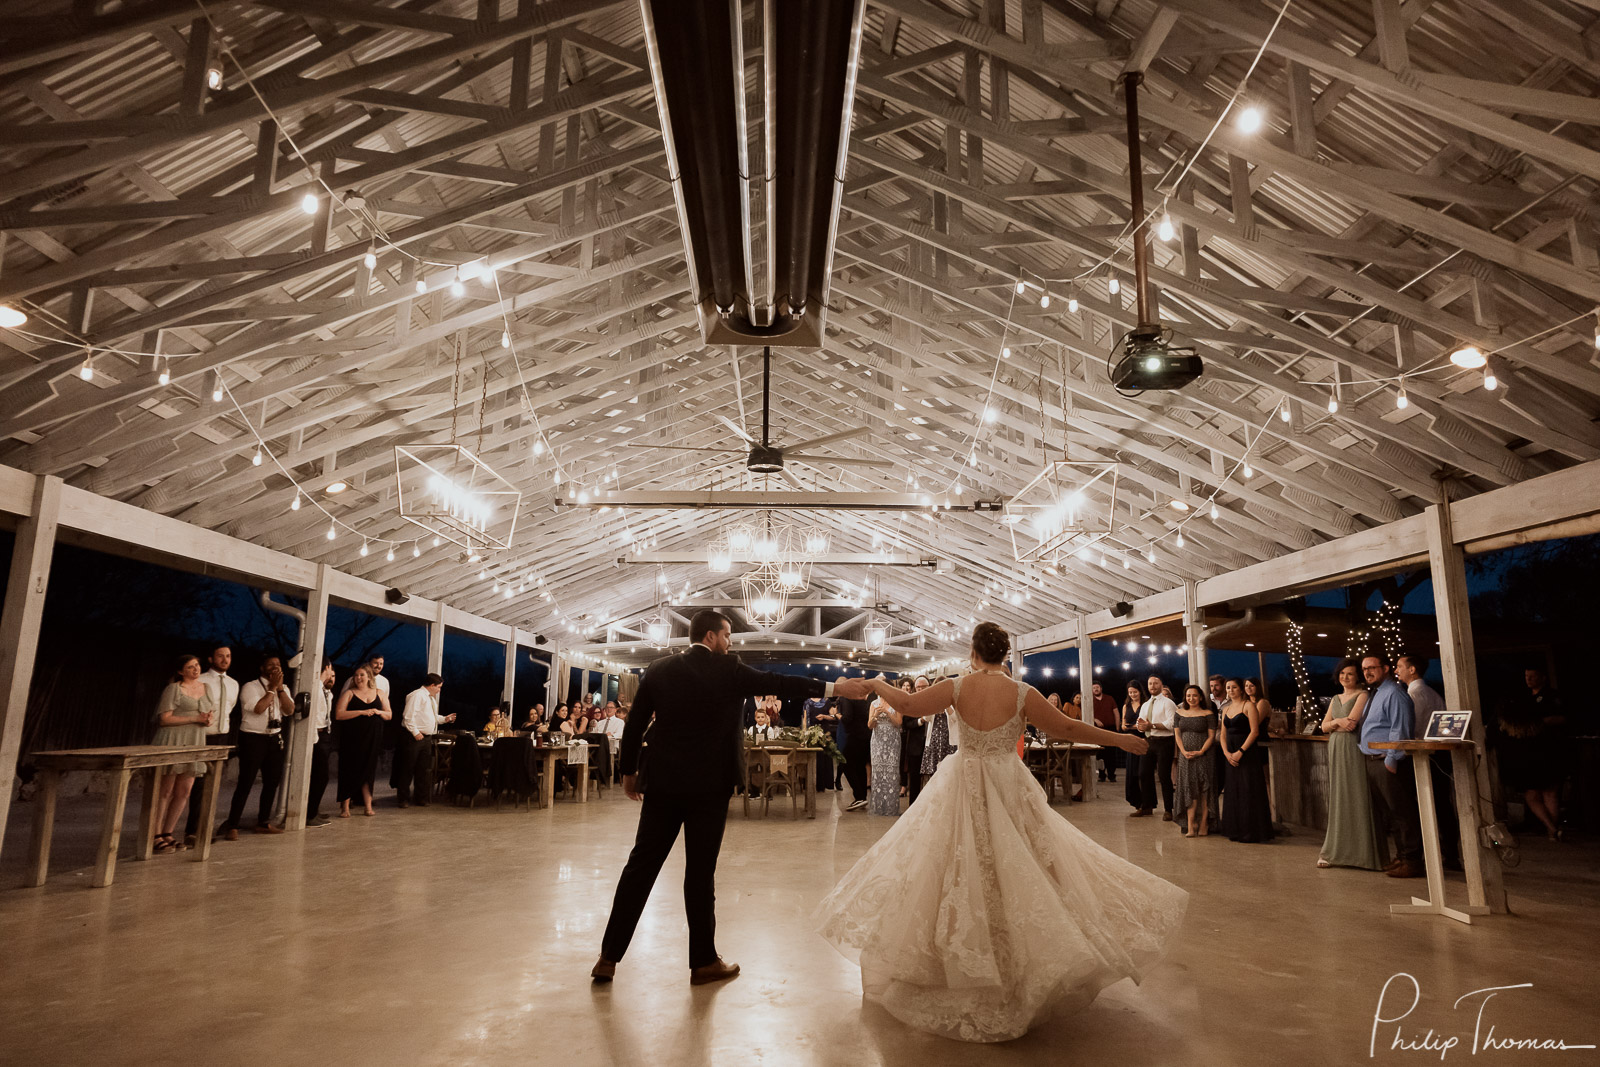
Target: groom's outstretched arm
(750, 682)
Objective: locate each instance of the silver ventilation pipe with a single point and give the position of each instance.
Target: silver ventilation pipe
(280, 805)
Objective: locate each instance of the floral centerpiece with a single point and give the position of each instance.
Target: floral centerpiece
(811, 737)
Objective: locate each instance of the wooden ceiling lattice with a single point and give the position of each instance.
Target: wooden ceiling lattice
(1426, 178)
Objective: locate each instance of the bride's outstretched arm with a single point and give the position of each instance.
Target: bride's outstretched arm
(1065, 728)
(930, 701)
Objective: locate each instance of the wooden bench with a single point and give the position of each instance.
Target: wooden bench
(120, 764)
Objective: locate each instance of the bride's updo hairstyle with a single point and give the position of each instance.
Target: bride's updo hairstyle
(990, 643)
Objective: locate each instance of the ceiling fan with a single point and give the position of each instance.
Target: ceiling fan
(764, 457)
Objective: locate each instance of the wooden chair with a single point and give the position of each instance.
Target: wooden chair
(1057, 769)
(783, 773)
(755, 774)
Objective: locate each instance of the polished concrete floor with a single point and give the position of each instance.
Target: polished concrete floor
(448, 936)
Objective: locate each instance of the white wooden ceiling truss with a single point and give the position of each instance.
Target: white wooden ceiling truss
(1426, 178)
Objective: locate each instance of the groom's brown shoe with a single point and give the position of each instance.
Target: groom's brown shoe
(604, 970)
(719, 971)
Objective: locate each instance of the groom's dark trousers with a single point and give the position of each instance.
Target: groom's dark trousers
(702, 817)
(692, 704)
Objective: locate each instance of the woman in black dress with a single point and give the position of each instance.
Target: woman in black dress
(1130, 715)
(1246, 812)
(360, 715)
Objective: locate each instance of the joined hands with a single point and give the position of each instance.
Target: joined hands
(853, 688)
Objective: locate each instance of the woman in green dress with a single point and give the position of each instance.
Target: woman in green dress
(182, 715)
(1353, 839)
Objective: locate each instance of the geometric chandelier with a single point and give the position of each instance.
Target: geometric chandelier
(450, 492)
(1053, 516)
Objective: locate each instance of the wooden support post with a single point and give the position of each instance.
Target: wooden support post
(1194, 633)
(1458, 660)
(303, 734)
(266, 167)
(436, 643)
(196, 66)
(1086, 670)
(19, 625)
(510, 686)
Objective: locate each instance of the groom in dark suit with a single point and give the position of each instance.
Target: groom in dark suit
(696, 761)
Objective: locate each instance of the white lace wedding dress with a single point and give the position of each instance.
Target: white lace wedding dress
(983, 910)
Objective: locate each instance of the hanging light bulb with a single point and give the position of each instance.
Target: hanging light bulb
(1250, 119)
(1214, 513)
(1150, 552)
(295, 505)
(1072, 304)
(422, 287)
(1022, 287)
(309, 203)
(255, 460)
(1248, 470)
(416, 550)
(538, 450)
(1044, 300)
(370, 260)
(363, 548)
(213, 77)
(1333, 403)
(436, 541)
(1005, 353)
(86, 371)
(505, 339)
(1113, 286)
(456, 288)
(10, 317)
(389, 556)
(164, 375)
(989, 414)
(216, 387)
(1402, 401)
(1490, 382)
(1283, 411)
(332, 531)
(1164, 230)
(1180, 538)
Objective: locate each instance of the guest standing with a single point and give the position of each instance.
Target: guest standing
(224, 697)
(321, 724)
(1389, 776)
(1217, 691)
(264, 703)
(1196, 787)
(1425, 700)
(857, 748)
(412, 775)
(1156, 720)
(1247, 815)
(913, 743)
(884, 722)
(819, 711)
(361, 713)
(1105, 717)
(1132, 711)
(183, 714)
(1534, 750)
(1353, 838)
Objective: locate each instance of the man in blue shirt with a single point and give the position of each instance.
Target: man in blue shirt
(1394, 790)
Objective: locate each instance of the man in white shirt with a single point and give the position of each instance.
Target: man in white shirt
(1156, 721)
(614, 724)
(413, 757)
(321, 725)
(1425, 700)
(224, 693)
(264, 702)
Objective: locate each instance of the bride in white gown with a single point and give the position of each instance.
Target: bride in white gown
(983, 910)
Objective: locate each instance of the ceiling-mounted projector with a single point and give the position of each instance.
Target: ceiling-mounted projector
(1149, 360)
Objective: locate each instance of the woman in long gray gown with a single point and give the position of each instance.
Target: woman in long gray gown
(1196, 780)
(1353, 839)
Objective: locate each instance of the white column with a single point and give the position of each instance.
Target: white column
(584, 684)
(1458, 660)
(436, 642)
(510, 685)
(19, 625)
(553, 682)
(1194, 635)
(303, 736)
(1086, 671)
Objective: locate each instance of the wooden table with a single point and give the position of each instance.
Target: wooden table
(1078, 759)
(551, 755)
(1461, 770)
(751, 751)
(120, 764)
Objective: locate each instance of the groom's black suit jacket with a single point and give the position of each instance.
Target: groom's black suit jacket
(696, 698)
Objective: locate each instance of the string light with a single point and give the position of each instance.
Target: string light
(309, 203)
(1165, 230)
(363, 548)
(1022, 287)
(1044, 300)
(422, 287)
(1250, 119)
(11, 317)
(416, 550)
(505, 339)
(1005, 353)
(456, 288)
(86, 371)
(1180, 537)
(1402, 401)
(1072, 304)
(1249, 472)
(165, 374)
(1283, 412)
(295, 504)
(1333, 403)
(255, 460)
(216, 387)
(1490, 382)
(333, 530)
(213, 77)
(390, 555)
(1113, 286)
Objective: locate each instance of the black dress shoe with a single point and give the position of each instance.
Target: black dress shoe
(719, 971)
(604, 970)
